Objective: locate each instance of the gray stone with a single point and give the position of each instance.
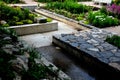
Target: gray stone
(19, 65)
(100, 48)
(86, 46)
(92, 41)
(114, 50)
(24, 57)
(9, 51)
(117, 54)
(114, 59)
(94, 54)
(93, 49)
(40, 20)
(74, 44)
(115, 65)
(8, 46)
(95, 36)
(15, 50)
(103, 60)
(7, 38)
(3, 22)
(64, 39)
(80, 40)
(106, 54)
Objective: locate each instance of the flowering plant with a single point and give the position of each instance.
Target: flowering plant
(114, 10)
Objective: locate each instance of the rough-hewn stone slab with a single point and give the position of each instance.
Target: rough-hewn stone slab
(91, 47)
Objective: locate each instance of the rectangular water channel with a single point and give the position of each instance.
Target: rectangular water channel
(64, 62)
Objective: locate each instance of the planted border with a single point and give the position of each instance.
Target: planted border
(100, 19)
(17, 60)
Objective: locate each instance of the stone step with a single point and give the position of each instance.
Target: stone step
(90, 47)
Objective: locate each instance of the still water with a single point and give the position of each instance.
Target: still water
(66, 63)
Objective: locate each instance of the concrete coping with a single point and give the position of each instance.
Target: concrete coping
(35, 28)
(53, 68)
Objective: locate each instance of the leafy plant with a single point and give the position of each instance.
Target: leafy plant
(114, 40)
(49, 20)
(69, 6)
(15, 15)
(35, 71)
(11, 1)
(101, 20)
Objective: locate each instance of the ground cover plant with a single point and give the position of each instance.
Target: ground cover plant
(69, 6)
(69, 9)
(11, 16)
(104, 17)
(15, 16)
(102, 20)
(114, 40)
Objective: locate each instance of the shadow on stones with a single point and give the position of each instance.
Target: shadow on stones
(98, 70)
(61, 64)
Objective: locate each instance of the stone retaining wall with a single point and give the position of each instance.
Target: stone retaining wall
(90, 47)
(35, 28)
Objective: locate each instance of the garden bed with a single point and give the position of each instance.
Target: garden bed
(91, 19)
(20, 61)
(35, 28)
(61, 18)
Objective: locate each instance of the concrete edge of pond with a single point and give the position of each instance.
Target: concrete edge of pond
(35, 28)
(53, 68)
(91, 60)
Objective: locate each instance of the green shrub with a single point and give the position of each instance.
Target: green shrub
(35, 72)
(80, 17)
(31, 16)
(13, 15)
(11, 1)
(15, 18)
(114, 40)
(19, 23)
(101, 20)
(69, 6)
(49, 20)
(27, 21)
(5, 25)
